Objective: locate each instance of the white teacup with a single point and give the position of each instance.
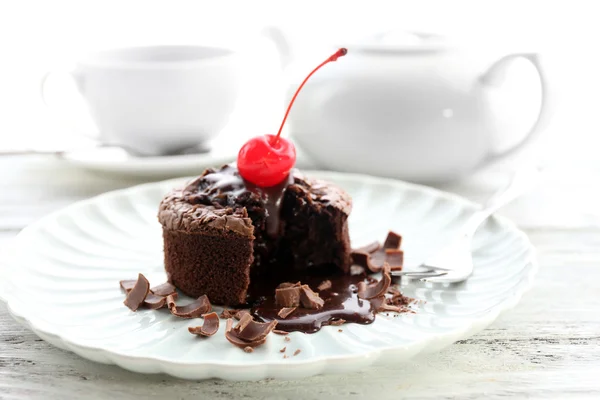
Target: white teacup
(159, 99)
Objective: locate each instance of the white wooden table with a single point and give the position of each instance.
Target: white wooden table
(548, 347)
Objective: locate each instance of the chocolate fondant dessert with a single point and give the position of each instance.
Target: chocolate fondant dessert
(262, 235)
(222, 233)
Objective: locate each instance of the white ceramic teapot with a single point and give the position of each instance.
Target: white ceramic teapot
(419, 111)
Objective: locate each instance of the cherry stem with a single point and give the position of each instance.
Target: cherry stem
(341, 52)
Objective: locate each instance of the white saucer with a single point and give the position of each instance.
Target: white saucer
(61, 279)
(116, 161)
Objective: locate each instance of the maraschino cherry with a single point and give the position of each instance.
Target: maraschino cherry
(268, 159)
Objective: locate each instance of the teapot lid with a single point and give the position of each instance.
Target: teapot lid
(401, 42)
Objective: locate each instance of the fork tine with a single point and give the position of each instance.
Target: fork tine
(418, 274)
(407, 273)
(427, 275)
(434, 268)
(425, 269)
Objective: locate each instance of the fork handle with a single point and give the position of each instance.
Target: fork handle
(520, 181)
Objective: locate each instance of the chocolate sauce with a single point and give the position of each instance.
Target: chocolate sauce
(341, 303)
(223, 187)
(272, 197)
(224, 184)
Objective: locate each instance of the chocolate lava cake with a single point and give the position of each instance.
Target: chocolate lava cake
(222, 233)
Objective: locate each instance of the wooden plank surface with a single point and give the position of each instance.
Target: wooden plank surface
(547, 347)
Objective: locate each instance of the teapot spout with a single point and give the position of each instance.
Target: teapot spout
(281, 42)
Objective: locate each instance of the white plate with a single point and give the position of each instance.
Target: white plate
(62, 277)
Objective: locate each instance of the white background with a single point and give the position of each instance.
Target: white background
(547, 345)
(39, 35)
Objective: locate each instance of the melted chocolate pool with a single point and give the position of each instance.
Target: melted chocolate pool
(341, 302)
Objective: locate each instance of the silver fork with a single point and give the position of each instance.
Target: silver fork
(454, 262)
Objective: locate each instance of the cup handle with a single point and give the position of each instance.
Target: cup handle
(494, 75)
(282, 44)
(43, 87)
(65, 118)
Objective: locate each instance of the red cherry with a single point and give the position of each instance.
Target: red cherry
(267, 160)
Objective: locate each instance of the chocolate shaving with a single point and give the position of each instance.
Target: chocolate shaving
(248, 333)
(324, 285)
(378, 289)
(288, 296)
(154, 302)
(127, 285)
(297, 352)
(136, 296)
(227, 313)
(164, 289)
(230, 313)
(286, 339)
(396, 303)
(233, 339)
(209, 327)
(362, 259)
(365, 260)
(240, 314)
(370, 248)
(249, 330)
(377, 260)
(248, 349)
(392, 241)
(337, 322)
(393, 290)
(193, 310)
(310, 299)
(381, 304)
(372, 257)
(244, 322)
(395, 258)
(280, 332)
(283, 350)
(398, 299)
(388, 307)
(285, 285)
(374, 262)
(171, 301)
(377, 303)
(285, 312)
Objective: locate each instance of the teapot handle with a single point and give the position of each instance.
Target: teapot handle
(494, 75)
